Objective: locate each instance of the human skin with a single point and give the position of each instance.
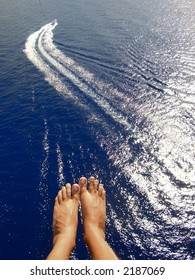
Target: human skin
(65, 222)
(93, 206)
(92, 197)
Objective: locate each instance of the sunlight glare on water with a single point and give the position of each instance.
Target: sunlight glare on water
(154, 153)
(107, 90)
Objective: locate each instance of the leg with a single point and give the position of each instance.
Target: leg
(93, 205)
(65, 222)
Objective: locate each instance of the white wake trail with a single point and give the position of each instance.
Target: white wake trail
(50, 76)
(46, 36)
(41, 51)
(61, 179)
(43, 185)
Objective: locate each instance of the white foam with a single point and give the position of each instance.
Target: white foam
(50, 76)
(61, 178)
(42, 40)
(42, 52)
(43, 186)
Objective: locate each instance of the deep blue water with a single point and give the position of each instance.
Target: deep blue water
(106, 90)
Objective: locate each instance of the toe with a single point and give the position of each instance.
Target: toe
(68, 190)
(83, 184)
(95, 185)
(100, 189)
(63, 193)
(91, 183)
(75, 191)
(103, 195)
(56, 201)
(60, 196)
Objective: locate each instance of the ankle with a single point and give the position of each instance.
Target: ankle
(64, 240)
(93, 232)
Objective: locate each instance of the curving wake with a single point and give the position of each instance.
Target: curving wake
(152, 157)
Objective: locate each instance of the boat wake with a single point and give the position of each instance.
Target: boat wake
(148, 146)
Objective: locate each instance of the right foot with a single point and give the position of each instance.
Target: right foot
(93, 205)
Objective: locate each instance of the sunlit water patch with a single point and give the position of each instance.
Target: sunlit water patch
(147, 134)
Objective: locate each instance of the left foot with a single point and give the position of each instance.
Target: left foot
(65, 216)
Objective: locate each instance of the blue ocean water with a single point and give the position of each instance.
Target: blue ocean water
(107, 89)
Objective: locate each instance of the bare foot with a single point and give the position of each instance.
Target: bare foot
(93, 205)
(65, 216)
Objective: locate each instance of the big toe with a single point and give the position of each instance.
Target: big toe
(75, 191)
(83, 184)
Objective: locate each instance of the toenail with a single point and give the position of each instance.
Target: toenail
(76, 188)
(83, 179)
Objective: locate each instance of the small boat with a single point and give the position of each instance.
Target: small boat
(54, 22)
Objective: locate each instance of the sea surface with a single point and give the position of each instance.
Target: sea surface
(102, 88)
